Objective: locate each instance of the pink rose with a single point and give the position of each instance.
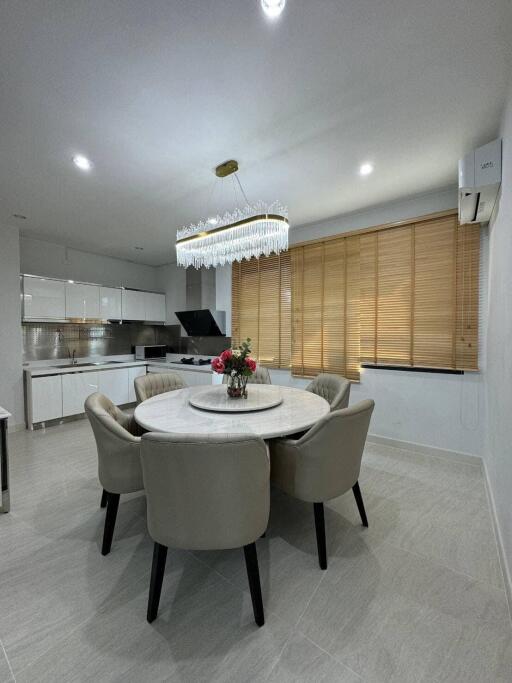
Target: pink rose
(251, 364)
(218, 366)
(226, 355)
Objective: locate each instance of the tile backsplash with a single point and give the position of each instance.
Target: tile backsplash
(52, 341)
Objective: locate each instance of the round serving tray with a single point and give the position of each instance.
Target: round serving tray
(216, 399)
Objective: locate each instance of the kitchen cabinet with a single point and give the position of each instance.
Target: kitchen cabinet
(46, 398)
(82, 301)
(155, 307)
(114, 384)
(43, 299)
(76, 387)
(110, 303)
(133, 304)
(190, 377)
(132, 374)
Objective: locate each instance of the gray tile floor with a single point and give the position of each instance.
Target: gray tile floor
(418, 596)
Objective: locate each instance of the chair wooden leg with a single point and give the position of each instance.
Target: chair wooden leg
(104, 496)
(320, 534)
(157, 577)
(360, 504)
(253, 574)
(110, 522)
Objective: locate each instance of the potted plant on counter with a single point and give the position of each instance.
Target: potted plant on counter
(238, 366)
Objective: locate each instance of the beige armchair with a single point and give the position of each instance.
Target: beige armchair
(205, 493)
(324, 463)
(260, 376)
(153, 384)
(119, 469)
(335, 389)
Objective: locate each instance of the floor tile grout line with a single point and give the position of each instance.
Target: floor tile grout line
(336, 659)
(91, 615)
(7, 660)
(445, 566)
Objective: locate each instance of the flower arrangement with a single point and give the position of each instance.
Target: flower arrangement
(238, 366)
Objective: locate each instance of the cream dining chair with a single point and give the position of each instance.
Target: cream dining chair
(205, 493)
(154, 383)
(118, 444)
(324, 463)
(335, 389)
(260, 376)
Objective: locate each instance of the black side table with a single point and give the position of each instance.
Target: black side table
(5, 505)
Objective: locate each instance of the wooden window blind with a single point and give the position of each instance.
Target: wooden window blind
(261, 308)
(405, 296)
(419, 295)
(325, 308)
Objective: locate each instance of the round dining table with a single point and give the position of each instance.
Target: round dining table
(296, 411)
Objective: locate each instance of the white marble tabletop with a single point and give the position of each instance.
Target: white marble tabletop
(4, 414)
(172, 412)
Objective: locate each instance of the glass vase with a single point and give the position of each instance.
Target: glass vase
(237, 386)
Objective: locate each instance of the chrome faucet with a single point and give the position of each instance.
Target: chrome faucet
(71, 356)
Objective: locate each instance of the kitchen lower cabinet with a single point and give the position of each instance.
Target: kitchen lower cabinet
(132, 374)
(46, 398)
(114, 384)
(76, 387)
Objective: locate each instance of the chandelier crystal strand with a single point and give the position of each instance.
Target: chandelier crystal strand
(257, 229)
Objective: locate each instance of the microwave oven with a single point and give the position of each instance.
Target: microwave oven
(150, 352)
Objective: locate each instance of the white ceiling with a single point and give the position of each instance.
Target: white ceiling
(157, 93)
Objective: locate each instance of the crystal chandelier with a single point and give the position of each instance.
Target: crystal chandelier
(254, 230)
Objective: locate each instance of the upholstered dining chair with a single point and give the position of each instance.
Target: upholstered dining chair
(335, 389)
(119, 470)
(324, 463)
(260, 376)
(154, 383)
(205, 493)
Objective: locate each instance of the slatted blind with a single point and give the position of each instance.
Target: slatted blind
(325, 308)
(404, 296)
(261, 307)
(419, 295)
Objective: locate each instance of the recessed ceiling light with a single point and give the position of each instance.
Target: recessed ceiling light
(20, 216)
(139, 248)
(71, 282)
(366, 169)
(82, 162)
(273, 8)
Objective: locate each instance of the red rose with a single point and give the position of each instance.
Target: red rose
(251, 364)
(218, 366)
(226, 355)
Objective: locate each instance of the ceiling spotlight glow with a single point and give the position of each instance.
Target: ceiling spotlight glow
(82, 162)
(213, 221)
(366, 169)
(273, 8)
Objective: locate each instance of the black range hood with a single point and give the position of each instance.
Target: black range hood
(203, 323)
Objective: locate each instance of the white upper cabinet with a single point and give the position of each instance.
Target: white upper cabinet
(43, 299)
(155, 307)
(82, 301)
(134, 305)
(110, 303)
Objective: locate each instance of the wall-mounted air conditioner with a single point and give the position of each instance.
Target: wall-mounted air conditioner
(479, 183)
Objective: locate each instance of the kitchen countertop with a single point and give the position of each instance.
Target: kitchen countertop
(44, 370)
(173, 365)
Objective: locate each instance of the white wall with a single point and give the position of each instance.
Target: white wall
(172, 280)
(498, 382)
(437, 410)
(54, 260)
(11, 382)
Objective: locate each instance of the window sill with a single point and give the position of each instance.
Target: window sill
(408, 368)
